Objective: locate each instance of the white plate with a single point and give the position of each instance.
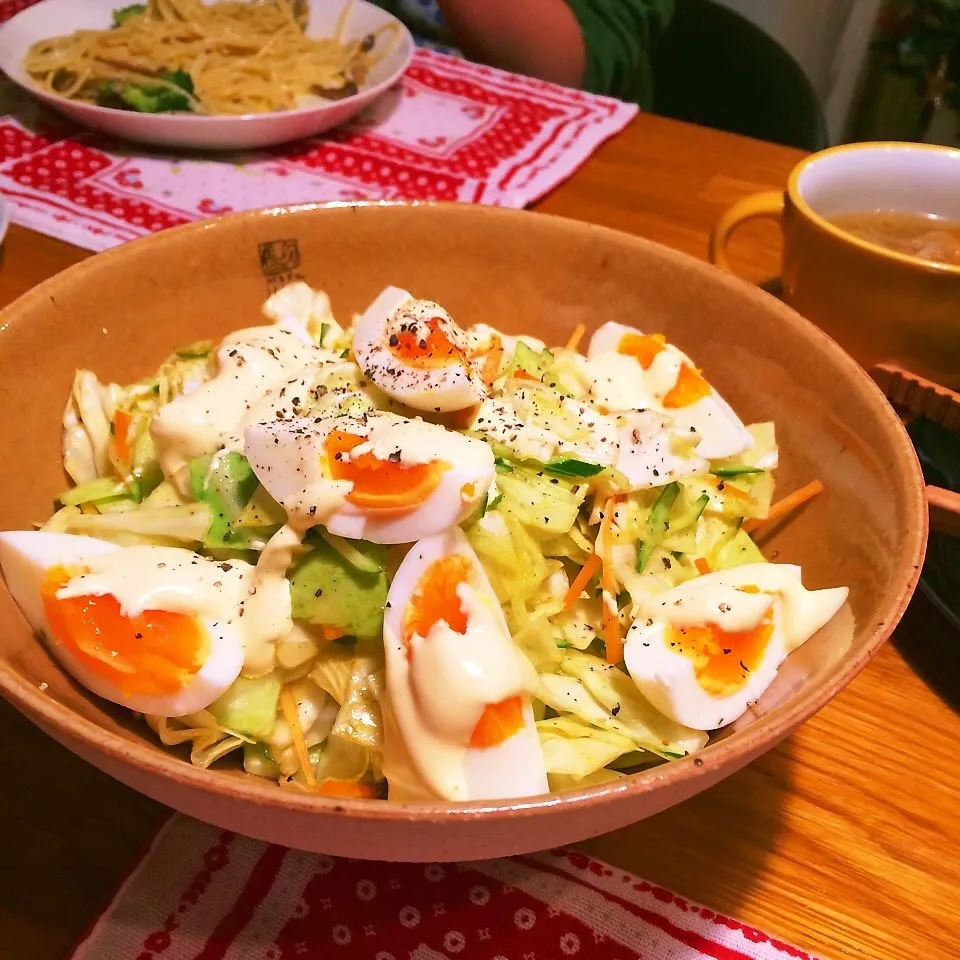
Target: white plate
(52, 18)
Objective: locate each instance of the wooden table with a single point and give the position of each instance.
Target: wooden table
(845, 839)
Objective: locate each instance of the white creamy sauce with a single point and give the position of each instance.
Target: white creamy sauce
(250, 362)
(621, 383)
(454, 676)
(717, 604)
(714, 599)
(646, 456)
(411, 442)
(440, 692)
(268, 606)
(164, 578)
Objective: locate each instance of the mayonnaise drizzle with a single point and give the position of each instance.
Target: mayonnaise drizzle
(251, 362)
(714, 599)
(168, 578)
(620, 383)
(440, 693)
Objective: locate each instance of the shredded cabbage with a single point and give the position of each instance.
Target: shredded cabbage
(541, 523)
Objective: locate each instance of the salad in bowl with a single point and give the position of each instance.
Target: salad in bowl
(407, 560)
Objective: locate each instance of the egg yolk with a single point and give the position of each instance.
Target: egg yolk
(642, 348)
(689, 388)
(379, 484)
(154, 652)
(723, 661)
(424, 345)
(435, 599)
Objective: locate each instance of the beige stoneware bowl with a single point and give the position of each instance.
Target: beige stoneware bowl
(121, 312)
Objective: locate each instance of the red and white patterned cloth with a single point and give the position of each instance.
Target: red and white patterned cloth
(452, 130)
(202, 894)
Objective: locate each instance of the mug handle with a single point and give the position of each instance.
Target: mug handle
(768, 204)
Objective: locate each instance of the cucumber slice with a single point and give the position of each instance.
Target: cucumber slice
(737, 471)
(249, 706)
(529, 360)
(327, 590)
(660, 511)
(571, 467)
(226, 487)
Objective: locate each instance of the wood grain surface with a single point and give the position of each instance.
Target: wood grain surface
(844, 840)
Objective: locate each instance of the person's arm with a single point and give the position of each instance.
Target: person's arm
(619, 36)
(538, 38)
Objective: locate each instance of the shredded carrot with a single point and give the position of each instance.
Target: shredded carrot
(346, 788)
(492, 361)
(787, 505)
(521, 374)
(612, 637)
(288, 706)
(702, 564)
(587, 572)
(332, 633)
(726, 487)
(578, 331)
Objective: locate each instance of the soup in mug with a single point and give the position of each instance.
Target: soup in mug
(912, 234)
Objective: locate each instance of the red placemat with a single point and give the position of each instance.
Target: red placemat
(203, 894)
(452, 130)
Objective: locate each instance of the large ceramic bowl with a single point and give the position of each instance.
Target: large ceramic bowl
(120, 312)
(53, 18)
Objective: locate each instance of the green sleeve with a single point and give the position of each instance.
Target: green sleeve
(619, 36)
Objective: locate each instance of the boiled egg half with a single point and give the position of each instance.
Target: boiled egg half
(155, 629)
(704, 651)
(377, 477)
(415, 353)
(460, 690)
(636, 371)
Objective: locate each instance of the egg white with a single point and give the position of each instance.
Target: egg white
(25, 558)
(288, 459)
(621, 384)
(514, 768)
(646, 457)
(452, 387)
(668, 679)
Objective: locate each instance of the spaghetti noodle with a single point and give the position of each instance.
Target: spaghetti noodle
(227, 57)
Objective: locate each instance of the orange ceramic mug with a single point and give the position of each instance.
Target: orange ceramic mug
(878, 304)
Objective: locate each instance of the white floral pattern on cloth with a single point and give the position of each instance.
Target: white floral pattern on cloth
(451, 130)
(204, 893)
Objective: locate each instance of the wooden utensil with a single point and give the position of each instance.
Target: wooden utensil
(921, 397)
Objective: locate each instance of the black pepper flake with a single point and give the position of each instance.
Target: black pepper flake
(394, 340)
(160, 566)
(666, 563)
(615, 710)
(139, 636)
(312, 511)
(727, 651)
(318, 593)
(744, 667)
(697, 762)
(226, 567)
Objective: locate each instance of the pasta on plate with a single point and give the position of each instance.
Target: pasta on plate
(228, 57)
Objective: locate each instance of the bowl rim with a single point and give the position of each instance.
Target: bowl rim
(407, 46)
(153, 760)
